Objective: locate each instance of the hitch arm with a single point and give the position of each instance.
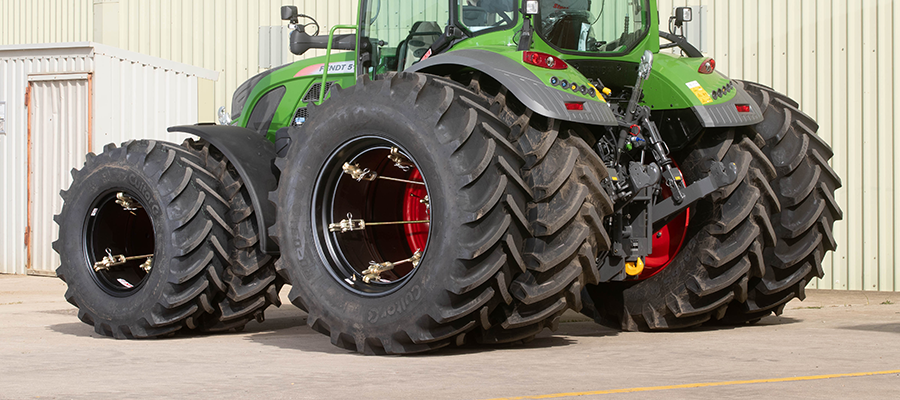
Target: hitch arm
(721, 175)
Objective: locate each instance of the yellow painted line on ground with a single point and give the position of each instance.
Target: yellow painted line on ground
(701, 385)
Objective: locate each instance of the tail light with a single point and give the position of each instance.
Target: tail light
(743, 108)
(708, 66)
(575, 106)
(544, 60)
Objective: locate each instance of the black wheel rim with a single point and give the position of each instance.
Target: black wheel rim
(112, 230)
(339, 197)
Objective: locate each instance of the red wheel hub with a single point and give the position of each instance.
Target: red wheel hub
(667, 242)
(416, 208)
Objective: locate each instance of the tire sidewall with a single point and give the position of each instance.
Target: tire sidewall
(320, 291)
(113, 174)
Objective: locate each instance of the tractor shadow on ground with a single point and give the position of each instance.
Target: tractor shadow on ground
(886, 328)
(78, 329)
(277, 320)
(305, 339)
(290, 332)
(762, 323)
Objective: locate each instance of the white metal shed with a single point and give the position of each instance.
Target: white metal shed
(60, 101)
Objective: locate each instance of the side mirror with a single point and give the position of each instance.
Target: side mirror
(682, 15)
(301, 42)
(289, 13)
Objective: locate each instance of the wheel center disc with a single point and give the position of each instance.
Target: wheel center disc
(119, 243)
(374, 215)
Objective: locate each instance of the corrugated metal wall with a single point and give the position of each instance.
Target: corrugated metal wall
(14, 71)
(221, 35)
(60, 129)
(837, 59)
(45, 21)
(133, 96)
(149, 99)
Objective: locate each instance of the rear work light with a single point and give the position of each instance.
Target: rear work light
(544, 60)
(575, 106)
(708, 66)
(742, 108)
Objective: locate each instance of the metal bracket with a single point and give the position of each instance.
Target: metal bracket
(352, 225)
(116, 260)
(127, 202)
(400, 161)
(358, 173)
(376, 269)
(348, 225)
(719, 177)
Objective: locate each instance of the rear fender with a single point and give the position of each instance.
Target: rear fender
(253, 156)
(530, 90)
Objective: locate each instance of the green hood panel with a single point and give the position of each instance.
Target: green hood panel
(298, 79)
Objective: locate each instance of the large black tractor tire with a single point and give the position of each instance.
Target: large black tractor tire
(250, 276)
(804, 186)
(476, 208)
(173, 213)
(566, 206)
(722, 251)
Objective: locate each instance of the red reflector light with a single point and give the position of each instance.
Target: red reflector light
(544, 60)
(743, 108)
(575, 106)
(708, 66)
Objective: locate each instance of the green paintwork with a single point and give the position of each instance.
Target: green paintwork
(665, 89)
(296, 88)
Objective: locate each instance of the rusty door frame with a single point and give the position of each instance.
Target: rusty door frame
(29, 93)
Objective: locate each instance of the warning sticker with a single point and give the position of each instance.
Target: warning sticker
(345, 67)
(700, 92)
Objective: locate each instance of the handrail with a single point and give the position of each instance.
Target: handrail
(328, 59)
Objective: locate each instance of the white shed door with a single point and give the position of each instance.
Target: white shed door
(59, 139)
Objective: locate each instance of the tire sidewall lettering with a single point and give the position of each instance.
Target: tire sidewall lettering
(398, 305)
(144, 190)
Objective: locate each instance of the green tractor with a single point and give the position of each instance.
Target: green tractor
(462, 171)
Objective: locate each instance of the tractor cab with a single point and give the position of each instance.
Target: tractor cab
(401, 33)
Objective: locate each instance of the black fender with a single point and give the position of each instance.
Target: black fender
(530, 90)
(725, 115)
(253, 156)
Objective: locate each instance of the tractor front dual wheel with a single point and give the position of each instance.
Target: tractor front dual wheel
(141, 241)
(249, 273)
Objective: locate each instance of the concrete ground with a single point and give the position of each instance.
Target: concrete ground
(46, 352)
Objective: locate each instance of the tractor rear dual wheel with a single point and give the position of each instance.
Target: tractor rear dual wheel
(401, 216)
(788, 197)
(804, 185)
(565, 212)
(722, 250)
